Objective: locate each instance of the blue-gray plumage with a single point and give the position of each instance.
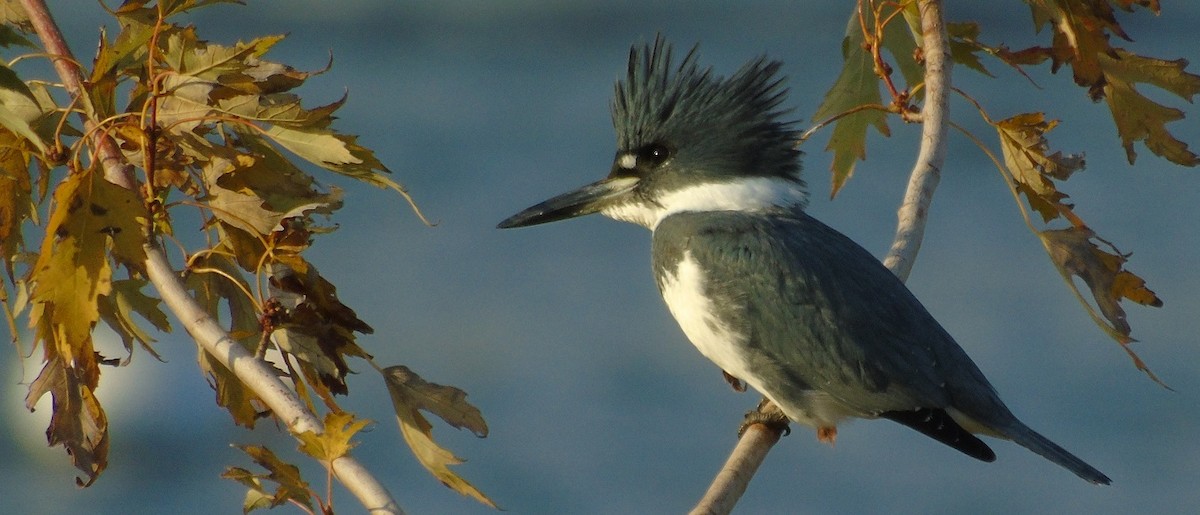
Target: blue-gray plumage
(772, 296)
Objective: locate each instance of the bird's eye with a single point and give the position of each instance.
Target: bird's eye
(653, 154)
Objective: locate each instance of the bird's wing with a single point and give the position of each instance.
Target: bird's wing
(839, 322)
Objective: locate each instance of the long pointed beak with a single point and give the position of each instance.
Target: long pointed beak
(583, 201)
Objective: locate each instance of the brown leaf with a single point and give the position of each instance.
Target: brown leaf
(1075, 254)
(15, 196)
(1081, 40)
(77, 422)
(291, 487)
(411, 394)
(317, 328)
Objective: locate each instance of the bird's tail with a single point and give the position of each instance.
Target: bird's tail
(1035, 442)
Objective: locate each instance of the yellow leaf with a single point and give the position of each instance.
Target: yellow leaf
(334, 442)
(410, 394)
(1137, 117)
(1031, 166)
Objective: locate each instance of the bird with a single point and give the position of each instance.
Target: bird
(775, 298)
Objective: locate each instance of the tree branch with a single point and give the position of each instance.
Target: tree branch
(914, 210)
(254, 373)
(733, 478)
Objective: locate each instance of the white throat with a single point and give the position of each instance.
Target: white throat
(747, 195)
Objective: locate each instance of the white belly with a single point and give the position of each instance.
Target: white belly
(685, 294)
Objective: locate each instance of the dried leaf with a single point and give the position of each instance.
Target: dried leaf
(1029, 163)
(256, 192)
(1081, 40)
(411, 394)
(15, 202)
(1137, 117)
(13, 13)
(1075, 254)
(291, 487)
(316, 328)
(77, 421)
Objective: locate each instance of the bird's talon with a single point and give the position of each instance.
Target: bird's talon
(768, 415)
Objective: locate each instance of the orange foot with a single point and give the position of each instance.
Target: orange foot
(827, 435)
(737, 384)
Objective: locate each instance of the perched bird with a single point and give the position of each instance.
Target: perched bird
(774, 297)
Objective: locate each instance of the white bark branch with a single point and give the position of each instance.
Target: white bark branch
(733, 479)
(735, 475)
(254, 374)
(914, 210)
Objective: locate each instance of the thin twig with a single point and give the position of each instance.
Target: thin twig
(255, 374)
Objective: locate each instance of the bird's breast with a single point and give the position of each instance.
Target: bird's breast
(684, 289)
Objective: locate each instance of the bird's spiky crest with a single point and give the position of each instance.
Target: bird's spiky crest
(730, 124)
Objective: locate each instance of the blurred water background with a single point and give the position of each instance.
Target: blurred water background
(596, 402)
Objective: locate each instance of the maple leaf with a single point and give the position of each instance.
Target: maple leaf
(13, 13)
(1137, 117)
(71, 272)
(411, 394)
(1075, 254)
(317, 328)
(856, 85)
(1031, 166)
(77, 421)
(117, 310)
(1081, 40)
(334, 441)
(255, 192)
(291, 486)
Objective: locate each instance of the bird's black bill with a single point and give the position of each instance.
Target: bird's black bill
(583, 201)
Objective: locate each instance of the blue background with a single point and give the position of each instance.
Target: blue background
(596, 402)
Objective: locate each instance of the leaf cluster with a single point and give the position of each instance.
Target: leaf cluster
(883, 36)
(215, 130)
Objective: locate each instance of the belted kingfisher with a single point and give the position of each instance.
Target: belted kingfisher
(769, 294)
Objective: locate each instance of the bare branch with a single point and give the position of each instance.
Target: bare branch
(254, 373)
(914, 211)
(756, 442)
(260, 378)
(735, 475)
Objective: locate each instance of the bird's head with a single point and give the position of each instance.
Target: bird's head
(688, 141)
